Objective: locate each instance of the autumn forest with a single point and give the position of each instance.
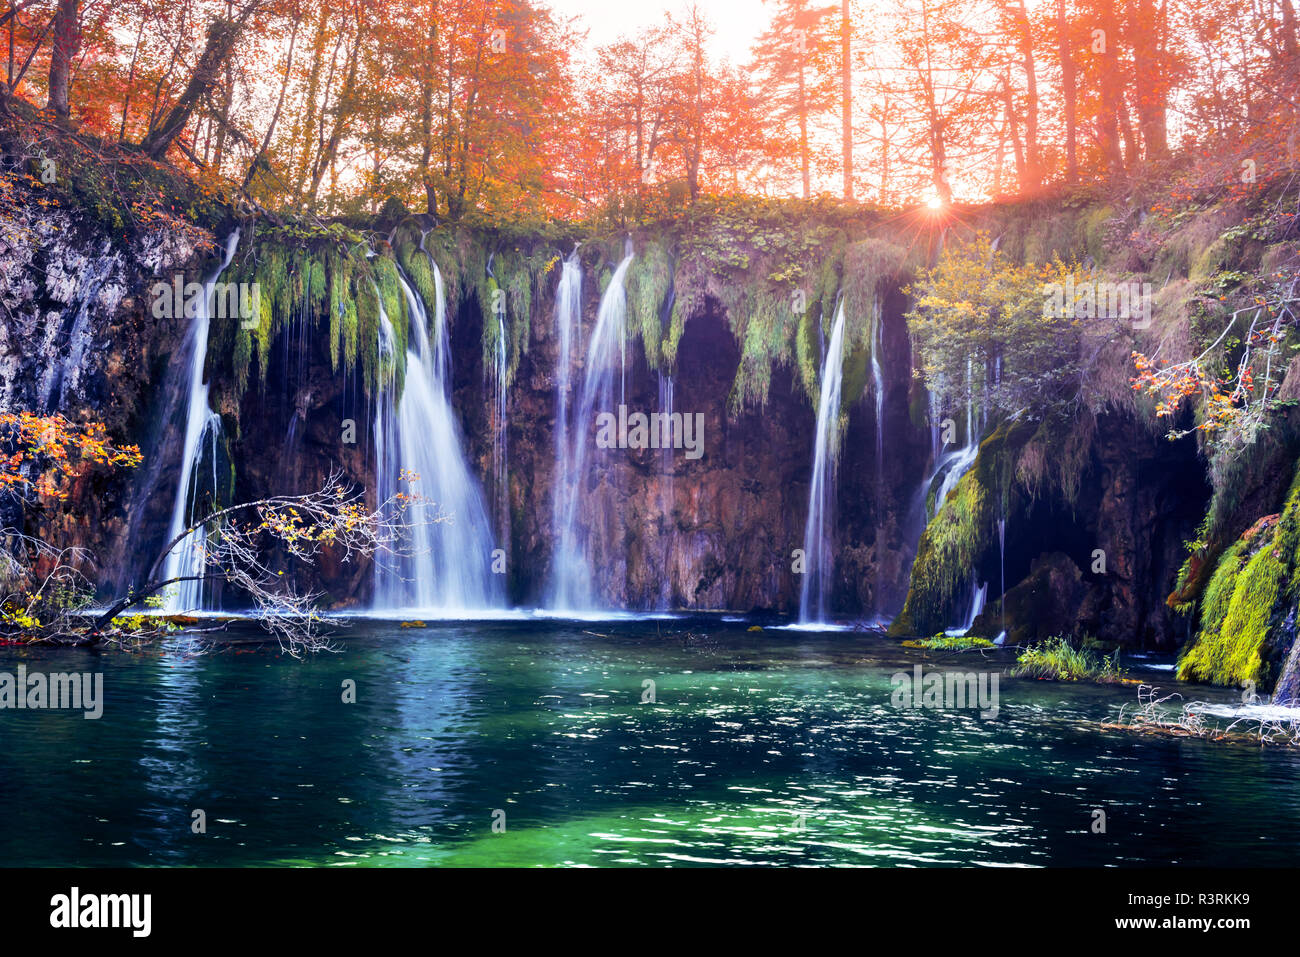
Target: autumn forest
(503, 107)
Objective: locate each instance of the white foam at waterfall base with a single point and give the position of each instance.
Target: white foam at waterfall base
(817, 537)
(446, 567)
(188, 560)
(572, 587)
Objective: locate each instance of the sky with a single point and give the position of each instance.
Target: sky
(737, 22)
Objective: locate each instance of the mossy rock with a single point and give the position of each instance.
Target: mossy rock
(1044, 604)
(1253, 590)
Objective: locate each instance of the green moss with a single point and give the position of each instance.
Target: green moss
(942, 642)
(1230, 654)
(870, 268)
(806, 354)
(415, 264)
(649, 278)
(764, 323)
(1253, 588)
(1217, 257)
(1094, 226)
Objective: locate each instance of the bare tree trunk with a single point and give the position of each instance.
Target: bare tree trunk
(1148, 83)
(1131, 152)
(1112, 101)
(1289, 43)
(427, 94)
(222, 35)
(325, 161)
(130, 80)
(846, 83)
(1031, 176)
(260, 158)
(884, 152)
(67, 37)
(302, 128)
(1022, 172)
(1069, 92)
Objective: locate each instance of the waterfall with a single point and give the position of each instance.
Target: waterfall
(606, 354)
(1286, 692)
(878, 384)
(953, 465)
(978, 595)
(1002, 569)
(667, 496)
(189, 558)
(500, 460)
(817, 532)
(448, 568)
(878, 388)
(568, 326)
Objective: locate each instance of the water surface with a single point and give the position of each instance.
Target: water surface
(772, 747)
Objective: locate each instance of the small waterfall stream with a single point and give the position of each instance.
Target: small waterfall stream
(606, 356)
(817, 537)
(667, 492)
(878, 391)
(1286, 692)
(978, 595)
(878, 388)
(500, 448)
(449, 566)
(568, 325)
(189, 558)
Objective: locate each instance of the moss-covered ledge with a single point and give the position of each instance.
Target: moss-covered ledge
(1243, 632)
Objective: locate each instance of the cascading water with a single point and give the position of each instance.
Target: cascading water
(978, 595)
(568, 325)
(878, 390)
(448, 567)
(1002, 571)
(878, 386)
(188, 560)
(606, 355)
(1286, 692)
(500, 460)
(667, 498)
(817, 538)
(949, 466)
(957, 463)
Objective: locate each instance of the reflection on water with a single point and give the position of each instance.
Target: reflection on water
(776, 747)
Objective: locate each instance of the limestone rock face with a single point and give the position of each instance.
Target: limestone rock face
(79, 337)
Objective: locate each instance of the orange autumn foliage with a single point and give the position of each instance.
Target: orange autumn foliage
(41, 454)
